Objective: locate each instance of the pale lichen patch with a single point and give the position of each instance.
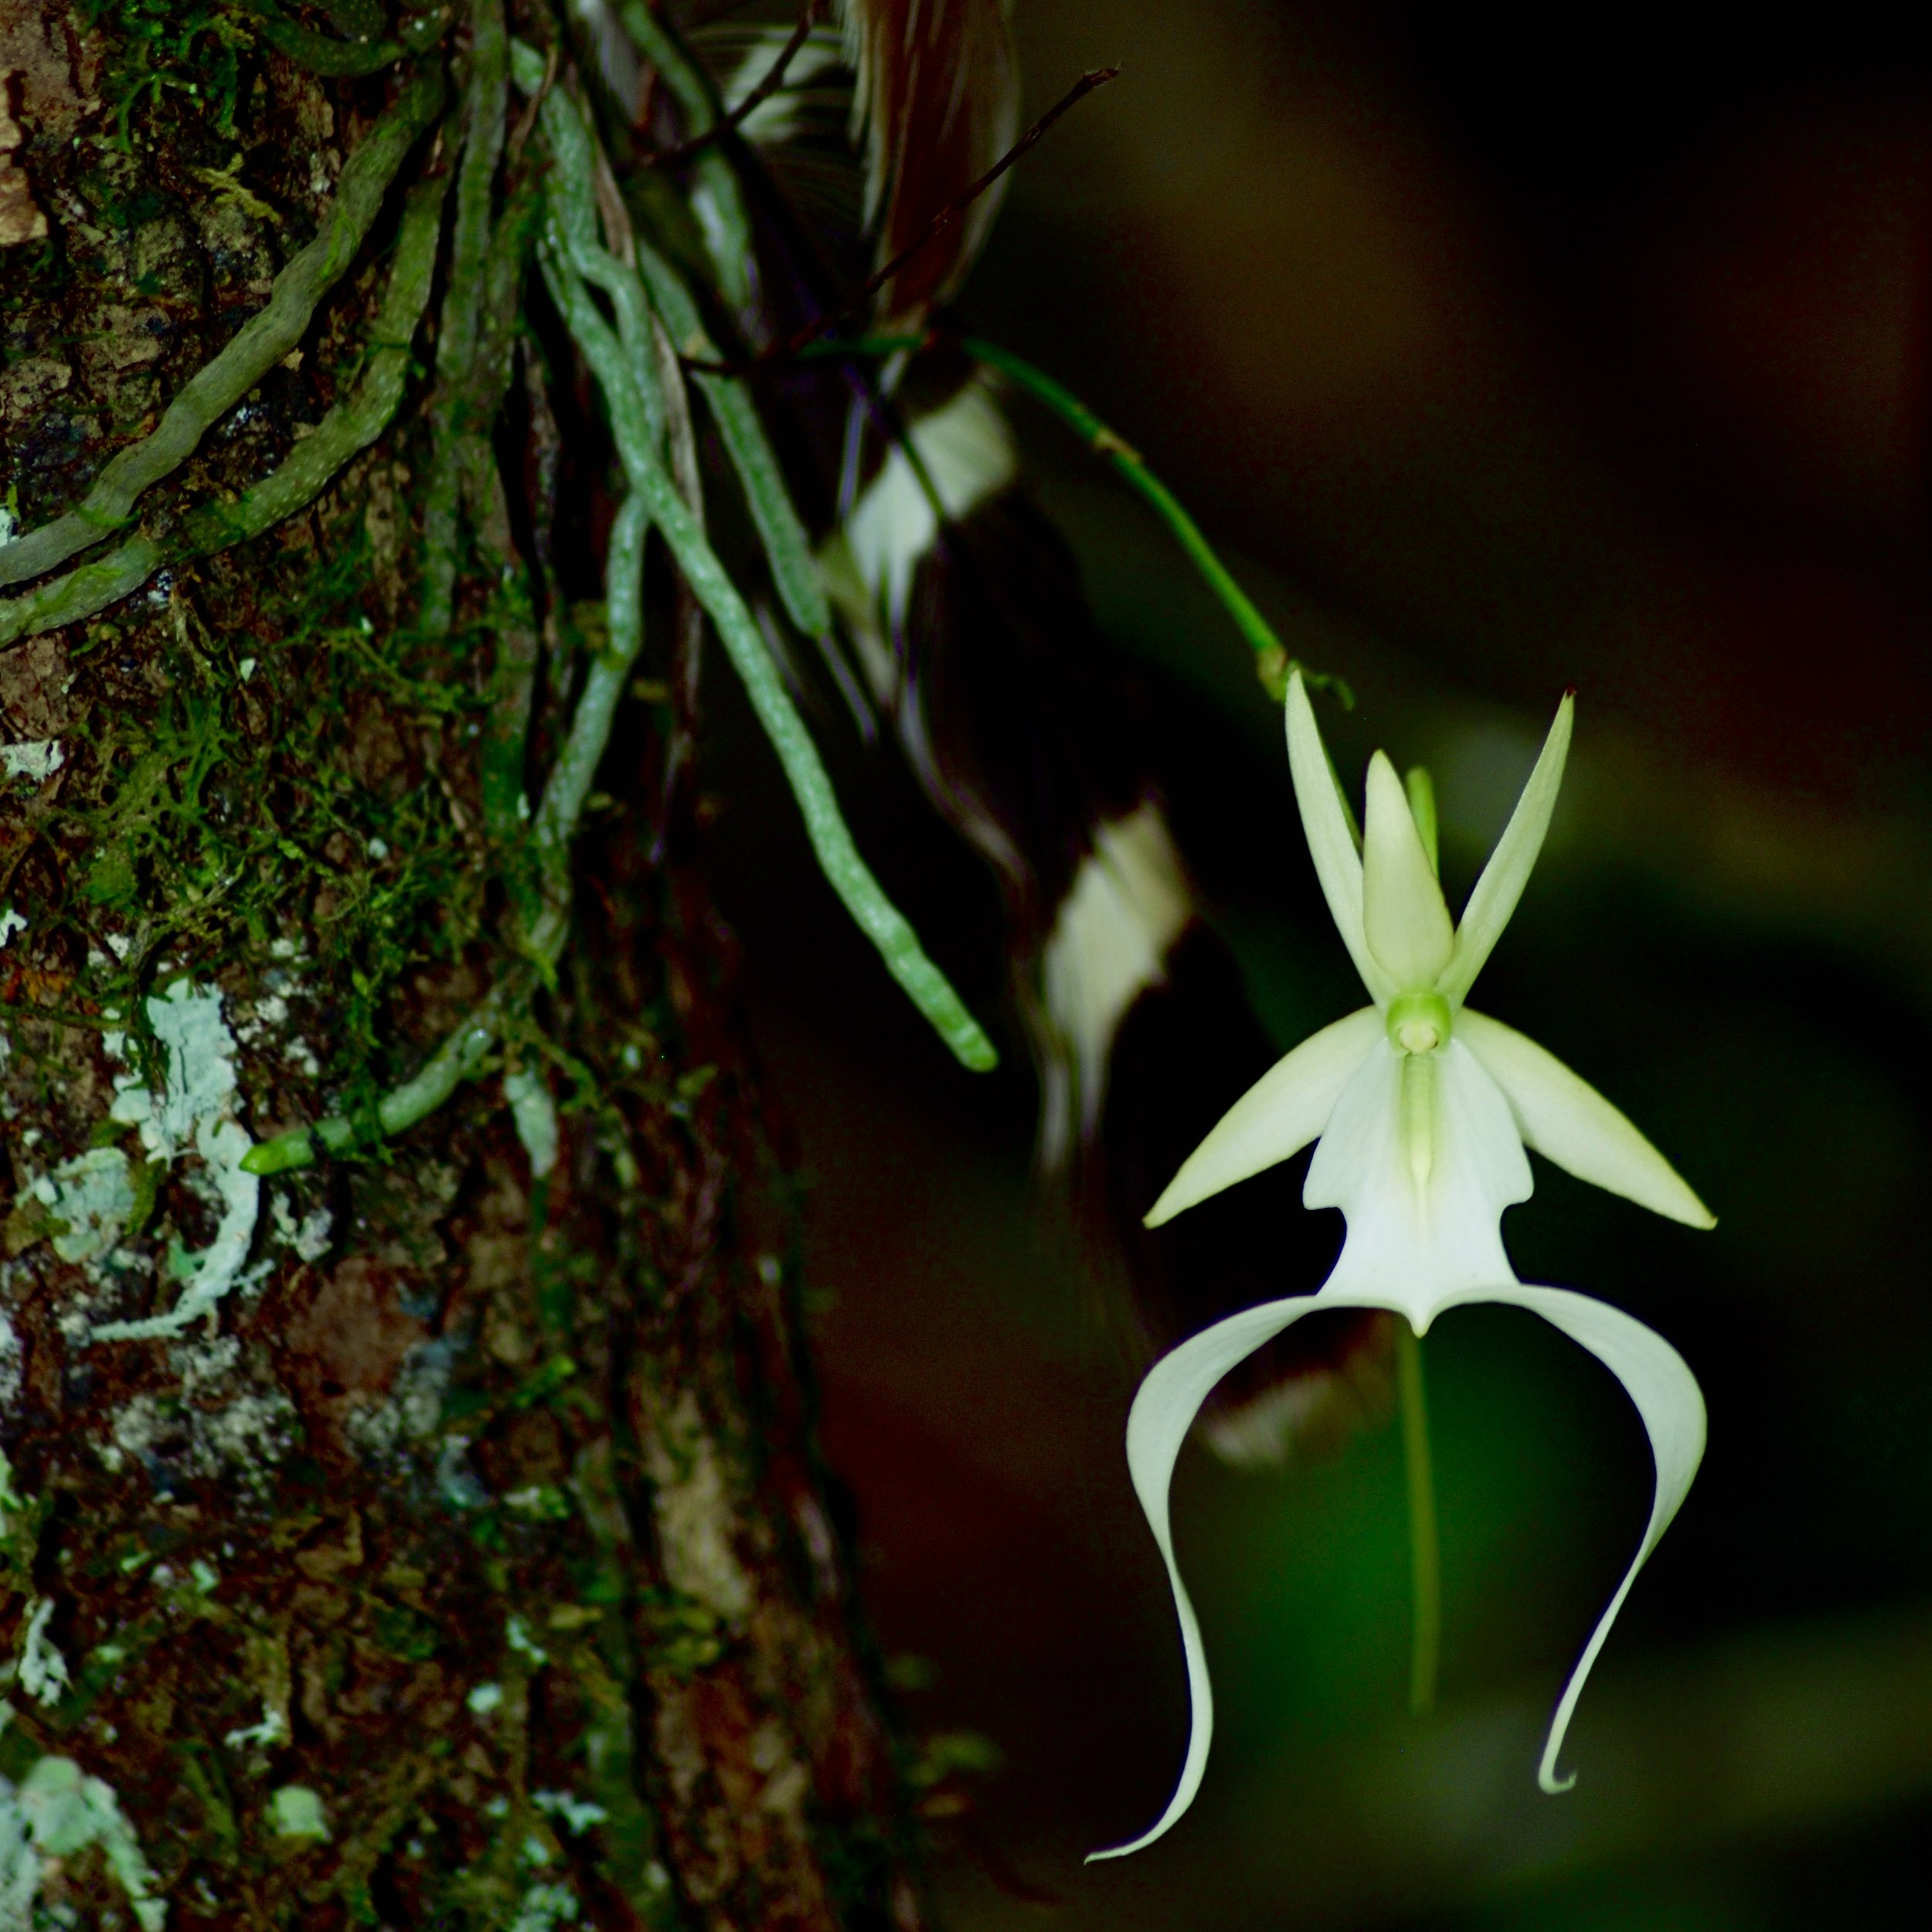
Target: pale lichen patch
(93, 1196)
(408, 1414)
(196, 1432)
(309, 1236)
(694, 1511)
(272, 1730)
(57, 1812)
(43, 1670)
(578, 1814)
(195, 1109)
(38, 759)
(296, 1811)
(200, 1081)
(544, 1907)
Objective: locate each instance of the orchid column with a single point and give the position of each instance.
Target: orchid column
(1421, 1109)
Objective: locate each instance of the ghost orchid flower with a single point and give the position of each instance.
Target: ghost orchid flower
(1421, 1109)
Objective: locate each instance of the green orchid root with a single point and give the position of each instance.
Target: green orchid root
(622, 362)
(260, 342)
(460, 1057)
(474, 341)
(349, 427)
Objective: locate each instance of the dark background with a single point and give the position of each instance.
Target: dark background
(1502, 351)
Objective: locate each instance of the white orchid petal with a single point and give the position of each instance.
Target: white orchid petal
(1404, 921)
(1653, 1374)
(1565, 1119)
(1277, 1117)
(1410, 1245)
(1657, 1378)
(1164, 1411)
(1494, 901)
(1331, 844)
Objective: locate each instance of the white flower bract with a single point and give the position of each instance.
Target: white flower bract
(1420, 1110)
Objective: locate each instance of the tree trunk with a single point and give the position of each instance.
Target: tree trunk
(432, 1534)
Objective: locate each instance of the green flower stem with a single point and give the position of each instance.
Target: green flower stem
(260, 343)
(1272, 662)
(832, 841)
(787, 548)
(349, 427)
(1425, 1558)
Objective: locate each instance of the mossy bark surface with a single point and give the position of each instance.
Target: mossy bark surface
(466, 1559)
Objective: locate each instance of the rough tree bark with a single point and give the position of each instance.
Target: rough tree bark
(432, 1535)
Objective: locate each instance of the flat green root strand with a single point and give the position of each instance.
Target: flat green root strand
(787, 548)
(81, 592)
(832, 842)
(577, 766)
(349, 427)
(716, 198)
(877, 917)
(571, 198)
(460, 1058)
(456, 349)
(361, 417)
(260, 342)
(346, 60)
(1425, 1556)
(513, 625)
(482, 149)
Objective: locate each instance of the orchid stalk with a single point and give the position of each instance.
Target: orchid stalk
(1420, 1109)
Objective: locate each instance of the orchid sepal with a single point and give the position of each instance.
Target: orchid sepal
(1493, 902)
(1324, 821)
